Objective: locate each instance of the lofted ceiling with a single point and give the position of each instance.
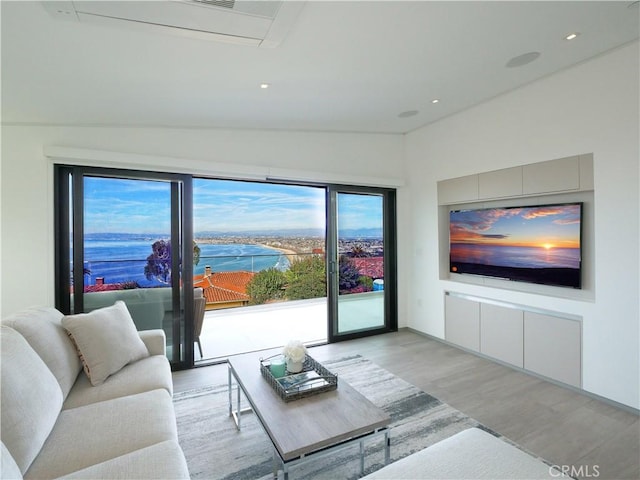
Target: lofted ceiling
(354, 66)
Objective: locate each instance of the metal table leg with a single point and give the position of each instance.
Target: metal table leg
(229, 390)
(276, 462)
(387, 448)
(237, 413)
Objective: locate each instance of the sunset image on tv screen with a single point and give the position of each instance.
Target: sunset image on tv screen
(538, 244)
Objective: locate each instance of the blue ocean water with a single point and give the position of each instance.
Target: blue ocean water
(118, 260)
(524, 257)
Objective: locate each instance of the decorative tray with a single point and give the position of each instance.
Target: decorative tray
(313, 379)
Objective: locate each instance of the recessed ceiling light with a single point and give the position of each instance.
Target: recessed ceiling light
(572, 36)
(523, 59)
(435, 100)
(408, 113)
(264, 85)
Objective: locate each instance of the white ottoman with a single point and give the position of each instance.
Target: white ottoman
(470, 454)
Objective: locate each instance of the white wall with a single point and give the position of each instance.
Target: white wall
(592, 107)
(27, 178)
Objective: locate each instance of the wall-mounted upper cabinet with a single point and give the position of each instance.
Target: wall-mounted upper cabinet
(458, 190)
(586, 172)
(570, 174)
(554, 176)
(500, 183)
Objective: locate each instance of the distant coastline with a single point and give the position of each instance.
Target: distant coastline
(293, 247)
(290, 254)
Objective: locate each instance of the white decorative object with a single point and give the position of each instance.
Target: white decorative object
(294, 353)
(294, 367)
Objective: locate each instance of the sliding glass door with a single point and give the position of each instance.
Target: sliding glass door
(318, 260)
(120, 236)
(362, 278)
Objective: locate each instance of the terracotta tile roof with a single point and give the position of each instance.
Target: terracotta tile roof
(370, 266)
(220, 295)
(224, 286)
(236, 281)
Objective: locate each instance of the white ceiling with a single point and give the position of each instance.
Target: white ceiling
(344, 66)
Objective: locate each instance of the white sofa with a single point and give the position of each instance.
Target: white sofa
(470, 454)
(56, 424)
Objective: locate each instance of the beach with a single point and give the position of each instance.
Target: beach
(290, 254)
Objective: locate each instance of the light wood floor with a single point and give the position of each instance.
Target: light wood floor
(558, 424)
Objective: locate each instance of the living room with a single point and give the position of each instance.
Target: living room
(587, 107)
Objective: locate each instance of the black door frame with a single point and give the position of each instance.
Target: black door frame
(69, 195)
(390, 261)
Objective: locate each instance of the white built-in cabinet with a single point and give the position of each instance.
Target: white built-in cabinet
(462, 322)
(501, 333)
(570, 174)
(542, 343)
(552, 347)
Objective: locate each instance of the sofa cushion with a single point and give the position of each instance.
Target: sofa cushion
(42, 328)
(30, 397)
(102, 431)
(155, 341)
(144, 375)
(107, 340)
(160, 461)
(8, 468)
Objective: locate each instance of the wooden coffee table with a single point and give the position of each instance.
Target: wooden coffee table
(307, 427)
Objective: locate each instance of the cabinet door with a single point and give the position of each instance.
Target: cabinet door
(500, 183)
(553, 176)
(552, 347)
(501, 333)
(462, 322)
(458, 190)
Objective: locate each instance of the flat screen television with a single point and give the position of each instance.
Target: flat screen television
(536, 244)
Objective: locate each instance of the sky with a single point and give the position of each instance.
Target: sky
(359, 211)
(126, 206)
(236, 206)
(545, 226)
(143, 206)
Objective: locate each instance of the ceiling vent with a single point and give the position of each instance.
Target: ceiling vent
(261, 23)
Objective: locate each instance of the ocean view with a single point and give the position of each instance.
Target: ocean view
(119, 260)
(519, 257)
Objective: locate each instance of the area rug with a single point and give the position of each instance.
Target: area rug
(216, 450)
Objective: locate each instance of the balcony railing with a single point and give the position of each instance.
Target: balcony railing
(120, 274)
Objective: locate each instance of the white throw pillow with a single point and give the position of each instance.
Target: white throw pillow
(107, 340)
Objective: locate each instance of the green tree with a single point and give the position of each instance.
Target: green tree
(266, 285)
(366, 282)
(307, 278)
(348, 275)
(159, 262)
(196, 254)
